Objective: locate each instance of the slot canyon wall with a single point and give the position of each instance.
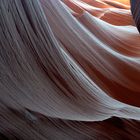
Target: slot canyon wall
(69, 70)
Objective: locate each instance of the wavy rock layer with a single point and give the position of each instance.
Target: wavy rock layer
(69, 70)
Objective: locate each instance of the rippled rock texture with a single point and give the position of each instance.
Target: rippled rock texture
(69, 70)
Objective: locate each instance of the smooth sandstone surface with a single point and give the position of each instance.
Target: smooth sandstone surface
(69, 70)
